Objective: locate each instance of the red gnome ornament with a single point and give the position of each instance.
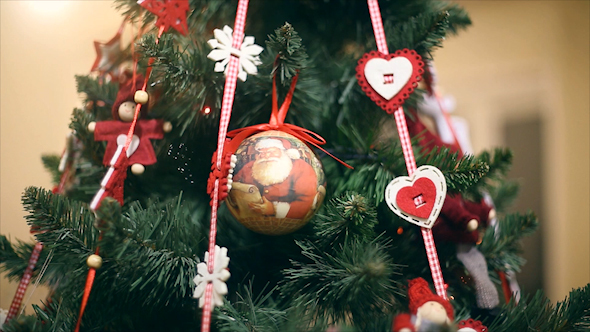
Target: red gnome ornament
(140, 152)
(428, 311)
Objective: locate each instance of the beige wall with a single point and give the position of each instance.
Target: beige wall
(520, 57)
(43, 45)
(523, 59)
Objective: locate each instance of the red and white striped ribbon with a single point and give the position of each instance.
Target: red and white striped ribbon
(402, 128)
(24, 282)
(226, 108)
(108, 178)
(378, 26)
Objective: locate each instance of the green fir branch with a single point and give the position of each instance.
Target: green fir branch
(291, 54)
(503, 194)
(66, 229)
(14, 258)
(250, 313)
(99, 95)
(187, 75)
(51, 164)
(159, 245)
(345, 217)
(422, 33)
(539, 314)
(458, 18)
(354, 284)
(500, 244)
(460, 173)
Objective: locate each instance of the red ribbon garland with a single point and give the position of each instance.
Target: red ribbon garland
(276, 122)
(92, 271)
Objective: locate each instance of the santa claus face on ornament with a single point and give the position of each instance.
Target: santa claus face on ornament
(278, 183)
(127, 111)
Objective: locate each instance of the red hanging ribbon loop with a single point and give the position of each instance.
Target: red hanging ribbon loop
(276, 122)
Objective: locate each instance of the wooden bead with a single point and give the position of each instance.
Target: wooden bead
(137, 169)
(94, 261)
(167, 127)
(140, 97)
(472, 225)
(492, 214)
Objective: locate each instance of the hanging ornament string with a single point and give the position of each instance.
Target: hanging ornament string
(24, 282)
(148, 72)
(276, 122)
(65, 167)
(402, 128)
(226, 108)
(119, 158)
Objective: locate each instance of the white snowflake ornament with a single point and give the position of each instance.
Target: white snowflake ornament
(223, 50)
(218, 277)
(3, 314)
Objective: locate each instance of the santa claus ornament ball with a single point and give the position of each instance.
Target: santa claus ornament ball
(278, 183)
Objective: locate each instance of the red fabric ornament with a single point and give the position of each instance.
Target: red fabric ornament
(455, 214)
(389, 79)
(423, 188)
(115, 186)
(403, 321)
(471, 325)
(171, 13)
(419, 293)
(144, 131)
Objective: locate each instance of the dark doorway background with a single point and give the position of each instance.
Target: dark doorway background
(523, 136)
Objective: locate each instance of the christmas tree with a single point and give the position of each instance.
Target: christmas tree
(348, 267)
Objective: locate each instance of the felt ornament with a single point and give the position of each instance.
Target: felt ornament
(140, 151)
(417, 199)
(428, 311)
(389, 79)
(471, 325)
(170, 13)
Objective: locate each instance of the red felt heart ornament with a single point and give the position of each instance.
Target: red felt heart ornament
(389, 79)
(418, 199)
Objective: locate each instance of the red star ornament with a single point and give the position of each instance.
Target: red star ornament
(171, 13)
(108, 54)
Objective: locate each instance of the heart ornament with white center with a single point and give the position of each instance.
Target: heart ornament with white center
(389, 79)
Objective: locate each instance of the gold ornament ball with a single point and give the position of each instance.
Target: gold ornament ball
(140, 97)
(94, 261)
